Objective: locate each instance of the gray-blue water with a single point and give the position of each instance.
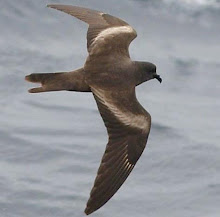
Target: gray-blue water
(51, 143)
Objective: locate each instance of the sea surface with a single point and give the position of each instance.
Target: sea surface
(51, 144)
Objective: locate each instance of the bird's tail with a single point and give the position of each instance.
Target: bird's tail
(73, 81)
(47, 80)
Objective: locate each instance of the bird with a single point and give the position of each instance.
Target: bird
(111, 76)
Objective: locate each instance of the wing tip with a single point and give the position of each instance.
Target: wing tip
(55, 6)
(50, 6)
(88, 210)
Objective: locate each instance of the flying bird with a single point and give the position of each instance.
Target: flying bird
(111, 76)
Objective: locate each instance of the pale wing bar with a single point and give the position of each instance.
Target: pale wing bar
(104, 29)
(125, 146)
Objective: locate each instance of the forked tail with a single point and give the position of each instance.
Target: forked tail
(72, 81)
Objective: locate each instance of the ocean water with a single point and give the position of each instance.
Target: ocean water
(51, 144)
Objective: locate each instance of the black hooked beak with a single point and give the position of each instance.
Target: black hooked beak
(158, 77)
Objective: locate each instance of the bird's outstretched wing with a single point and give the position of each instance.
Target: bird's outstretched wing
(105, 34)
(128, 125)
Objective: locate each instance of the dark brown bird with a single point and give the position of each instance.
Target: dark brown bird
(111, 76)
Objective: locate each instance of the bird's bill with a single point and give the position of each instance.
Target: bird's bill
(158, 77)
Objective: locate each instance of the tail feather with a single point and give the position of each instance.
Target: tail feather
(41, 77)
(36, 90)
(73, 81)
(49, 82)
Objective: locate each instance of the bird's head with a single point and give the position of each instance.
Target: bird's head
(151, 71)
(147, 71)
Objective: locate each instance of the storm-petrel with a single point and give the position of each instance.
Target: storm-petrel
(111, 76)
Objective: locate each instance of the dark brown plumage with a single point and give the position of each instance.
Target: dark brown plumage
(112, 77)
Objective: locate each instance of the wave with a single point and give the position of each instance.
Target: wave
(195, 3)
(184, 6)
